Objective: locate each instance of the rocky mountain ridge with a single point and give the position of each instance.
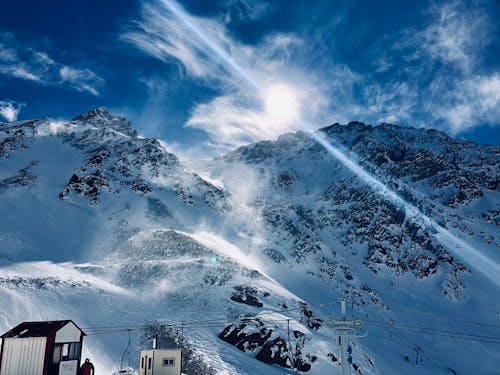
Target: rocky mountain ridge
(275, 229)
(427, 168)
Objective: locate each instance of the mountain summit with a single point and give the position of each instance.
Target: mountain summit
(99, 117)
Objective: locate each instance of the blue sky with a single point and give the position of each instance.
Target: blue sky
(208, 76)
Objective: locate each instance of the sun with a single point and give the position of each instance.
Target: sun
(281, 103)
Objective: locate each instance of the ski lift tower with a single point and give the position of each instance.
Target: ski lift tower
(345, 328)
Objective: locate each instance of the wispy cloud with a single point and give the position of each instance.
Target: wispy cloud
(207, 52)
(437, 78)
(474, 100)
(456, 35)
(245, 10)
(9, 109)
(432, 73)
(81, 79)
(20, 61)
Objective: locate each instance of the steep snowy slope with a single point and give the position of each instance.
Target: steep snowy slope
(81, 174)
(319, 221)
(110, 229)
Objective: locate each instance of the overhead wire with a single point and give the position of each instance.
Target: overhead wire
(217, 322)
(470, 322)
(435, 332)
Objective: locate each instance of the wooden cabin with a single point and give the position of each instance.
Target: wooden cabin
(41, 348)
(160, 362)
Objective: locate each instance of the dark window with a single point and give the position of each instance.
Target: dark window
(56, 354)
(71, 351)
(55, 359)
(142, 362)
(168, 361)
(149, 363)
(75, 350)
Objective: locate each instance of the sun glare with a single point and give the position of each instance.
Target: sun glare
(281, 104)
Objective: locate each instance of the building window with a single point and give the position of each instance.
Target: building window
(71, 351)
(56, 354)
(142, 362)
(75, 350)
(149, 363)
(168, 362)
(65, 351)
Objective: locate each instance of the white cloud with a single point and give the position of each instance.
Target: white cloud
(432, 78)
(81, 79)
(26, 63)
(19, 71)
(488, 89)
(54, 127)
(232, 125)
(456, 34)
(459, 117)
(242, 73)
(162, 35)
(460, 94)
(245, 9)
(477, 100)
(442, 82)
(7, 54)
(9, 109)
(155, 85)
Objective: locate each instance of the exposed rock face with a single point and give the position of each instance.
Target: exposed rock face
(269, 345)
(100, 118)
(17, 136)
(23, 178)
(115, 160)
(336, 214)
(247, 295)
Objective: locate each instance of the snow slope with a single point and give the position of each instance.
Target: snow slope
(111, 230)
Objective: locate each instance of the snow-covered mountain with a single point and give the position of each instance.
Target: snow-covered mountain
(254, 249)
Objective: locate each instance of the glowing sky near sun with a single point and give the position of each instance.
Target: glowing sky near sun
(280, 103)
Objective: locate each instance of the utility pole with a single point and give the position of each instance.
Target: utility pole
(291, 355)
(345, 328)
(182, 335)
(128, 351)
(417, 350)
(182, 344)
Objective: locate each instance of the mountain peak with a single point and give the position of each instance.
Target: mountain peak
(93, 113)
(100, 117)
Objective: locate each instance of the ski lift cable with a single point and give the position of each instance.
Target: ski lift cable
(213, 323)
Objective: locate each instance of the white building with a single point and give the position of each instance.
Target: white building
(160, 362)
(41, 348)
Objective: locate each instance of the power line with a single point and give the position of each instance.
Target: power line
(429, 331)
(216, 322)
(195, 323)
(390, 327)
(432, 316)
(439, 330)
(113, 331)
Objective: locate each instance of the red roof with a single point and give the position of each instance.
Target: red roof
(37, 329)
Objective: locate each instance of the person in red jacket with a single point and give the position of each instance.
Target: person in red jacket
(87, 368)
